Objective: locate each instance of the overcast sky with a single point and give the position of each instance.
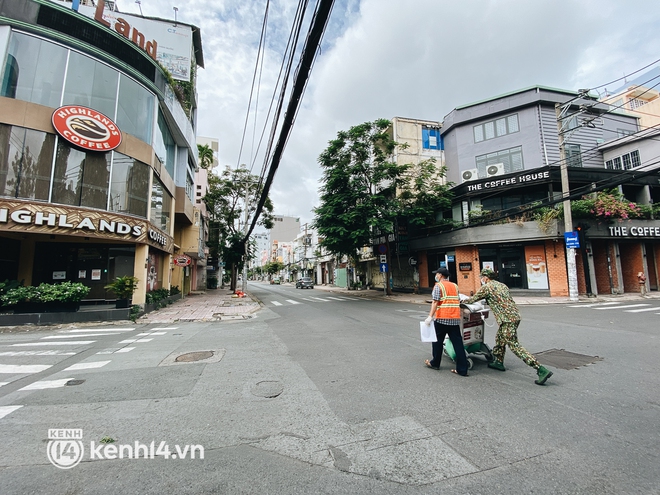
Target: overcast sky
(388, 58)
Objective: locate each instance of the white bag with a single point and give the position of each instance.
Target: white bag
(427, 332)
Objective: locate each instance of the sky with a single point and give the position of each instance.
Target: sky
(390, 58)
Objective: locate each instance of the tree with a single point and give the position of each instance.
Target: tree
(273, 267)
(206, 156)
(225, 201)
(364, 191)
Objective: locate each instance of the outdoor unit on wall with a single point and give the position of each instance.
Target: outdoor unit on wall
(471, 174)
(495, 169)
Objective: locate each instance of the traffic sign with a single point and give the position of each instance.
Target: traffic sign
(572, 240)
(383, 258)
(382, 248)
(383, 267)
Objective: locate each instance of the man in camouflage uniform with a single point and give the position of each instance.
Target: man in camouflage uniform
(508, 317)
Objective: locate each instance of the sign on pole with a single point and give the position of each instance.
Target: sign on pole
(572, 240)
(383, 267)
(383, 258)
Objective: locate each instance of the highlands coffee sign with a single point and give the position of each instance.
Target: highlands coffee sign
(86, 128)
(58, 220)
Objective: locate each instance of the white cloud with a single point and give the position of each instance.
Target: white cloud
(420, 59)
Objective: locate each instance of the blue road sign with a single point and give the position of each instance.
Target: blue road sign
(572, 240)
(382, 248)
(383, 267)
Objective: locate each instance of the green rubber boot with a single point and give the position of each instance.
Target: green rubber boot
(496, 365)
(544, 373)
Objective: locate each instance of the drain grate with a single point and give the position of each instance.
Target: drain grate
(565, 360)
(191, 357)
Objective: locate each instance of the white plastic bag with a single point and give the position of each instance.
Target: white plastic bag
(427, 332)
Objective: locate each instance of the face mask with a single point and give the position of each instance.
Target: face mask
(437, 277)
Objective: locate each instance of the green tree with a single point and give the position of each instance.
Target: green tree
(364, 191)
(273, 267)
(205, 156)
(225, 201)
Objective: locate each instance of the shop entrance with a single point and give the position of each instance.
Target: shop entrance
(652, 266)
(94, 265)
(508, 263)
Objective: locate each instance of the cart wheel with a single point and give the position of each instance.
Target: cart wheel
(470, 363)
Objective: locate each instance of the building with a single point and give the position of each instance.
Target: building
(97, 151)
(503, 154)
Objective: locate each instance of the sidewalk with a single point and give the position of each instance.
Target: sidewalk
(211, 305)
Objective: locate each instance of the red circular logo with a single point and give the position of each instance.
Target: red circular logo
(86, 128)
(182, 260)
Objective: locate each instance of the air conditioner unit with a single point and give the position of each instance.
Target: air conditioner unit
(471, 174)
(495, 169)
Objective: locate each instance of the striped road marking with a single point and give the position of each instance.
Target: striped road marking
(292, 301)
(75, 336)
(335, 298)
(166, 328)
(135, 341)
(319, 299)
(592, 305)
(4, 410)
(641, 310)
(37, 353)
(23, 368)
(626, 306)
(80, 330)
(44, 384)
(75, 342)
(144, 334)
(86, 366)
(275, 303)
(116, 351)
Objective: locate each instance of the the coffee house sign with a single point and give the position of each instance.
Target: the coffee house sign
(524, 178)
(635, 231)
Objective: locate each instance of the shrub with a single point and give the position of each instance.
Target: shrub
(155, 296)
(43, 293)
(174, 290)
(123, 287)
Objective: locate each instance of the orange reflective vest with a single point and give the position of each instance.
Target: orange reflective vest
(449, 305)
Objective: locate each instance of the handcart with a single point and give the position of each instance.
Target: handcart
(472, 329)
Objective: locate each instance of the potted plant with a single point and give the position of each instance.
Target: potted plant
(123, 287)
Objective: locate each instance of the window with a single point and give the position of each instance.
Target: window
(34, 70)
(129, 186)
(624, 132)
(431, 139)
(496, 128)
(26, 158)
(80, 178)
(624, 162)
(161, 204)
(91, 84)
(135, 109)
(164, 145)
(573, 155)
(511, 158)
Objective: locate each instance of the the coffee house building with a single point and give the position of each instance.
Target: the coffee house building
(502, 154)
(91, 138)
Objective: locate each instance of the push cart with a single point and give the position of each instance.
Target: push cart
(472, 329)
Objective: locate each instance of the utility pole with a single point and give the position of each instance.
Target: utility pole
(568, 218)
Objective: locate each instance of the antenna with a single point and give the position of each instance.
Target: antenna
(176, 9)
(139, 2)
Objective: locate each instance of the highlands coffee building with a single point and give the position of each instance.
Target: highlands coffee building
(97, 156)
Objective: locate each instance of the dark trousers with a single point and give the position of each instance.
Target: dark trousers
(454, 332)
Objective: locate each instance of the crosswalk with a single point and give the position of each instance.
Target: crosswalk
(620, 306)
(313, 299)
(46, 351)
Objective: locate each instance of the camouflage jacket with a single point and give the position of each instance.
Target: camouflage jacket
(500, 301)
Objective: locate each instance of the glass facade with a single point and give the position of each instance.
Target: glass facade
(79, 178)
(161, 206)
(34, 72)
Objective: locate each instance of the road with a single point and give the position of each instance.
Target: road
(327, 393)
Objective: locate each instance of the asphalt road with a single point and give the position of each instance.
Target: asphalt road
(321, 393)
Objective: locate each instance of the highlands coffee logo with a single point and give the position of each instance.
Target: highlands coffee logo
(86, 128)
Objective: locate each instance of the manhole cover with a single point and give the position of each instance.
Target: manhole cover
(194, 356)
(268, 389)
(74, 382)
(565, 360)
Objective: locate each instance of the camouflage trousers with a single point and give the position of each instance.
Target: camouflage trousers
(508, 335)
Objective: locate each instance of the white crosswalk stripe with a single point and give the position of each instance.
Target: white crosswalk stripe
(45, 384)
(275, 303)
(320, 299)
(335, 298)
(641, 310)
(86, 366)
(37, 353)
(135, 341)
(118, 330)
(592, 305)
(116, 351)
(77, 336)
(292, 301)
(625, 306)
(76, 342)
(4, 410)
(23, 368)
